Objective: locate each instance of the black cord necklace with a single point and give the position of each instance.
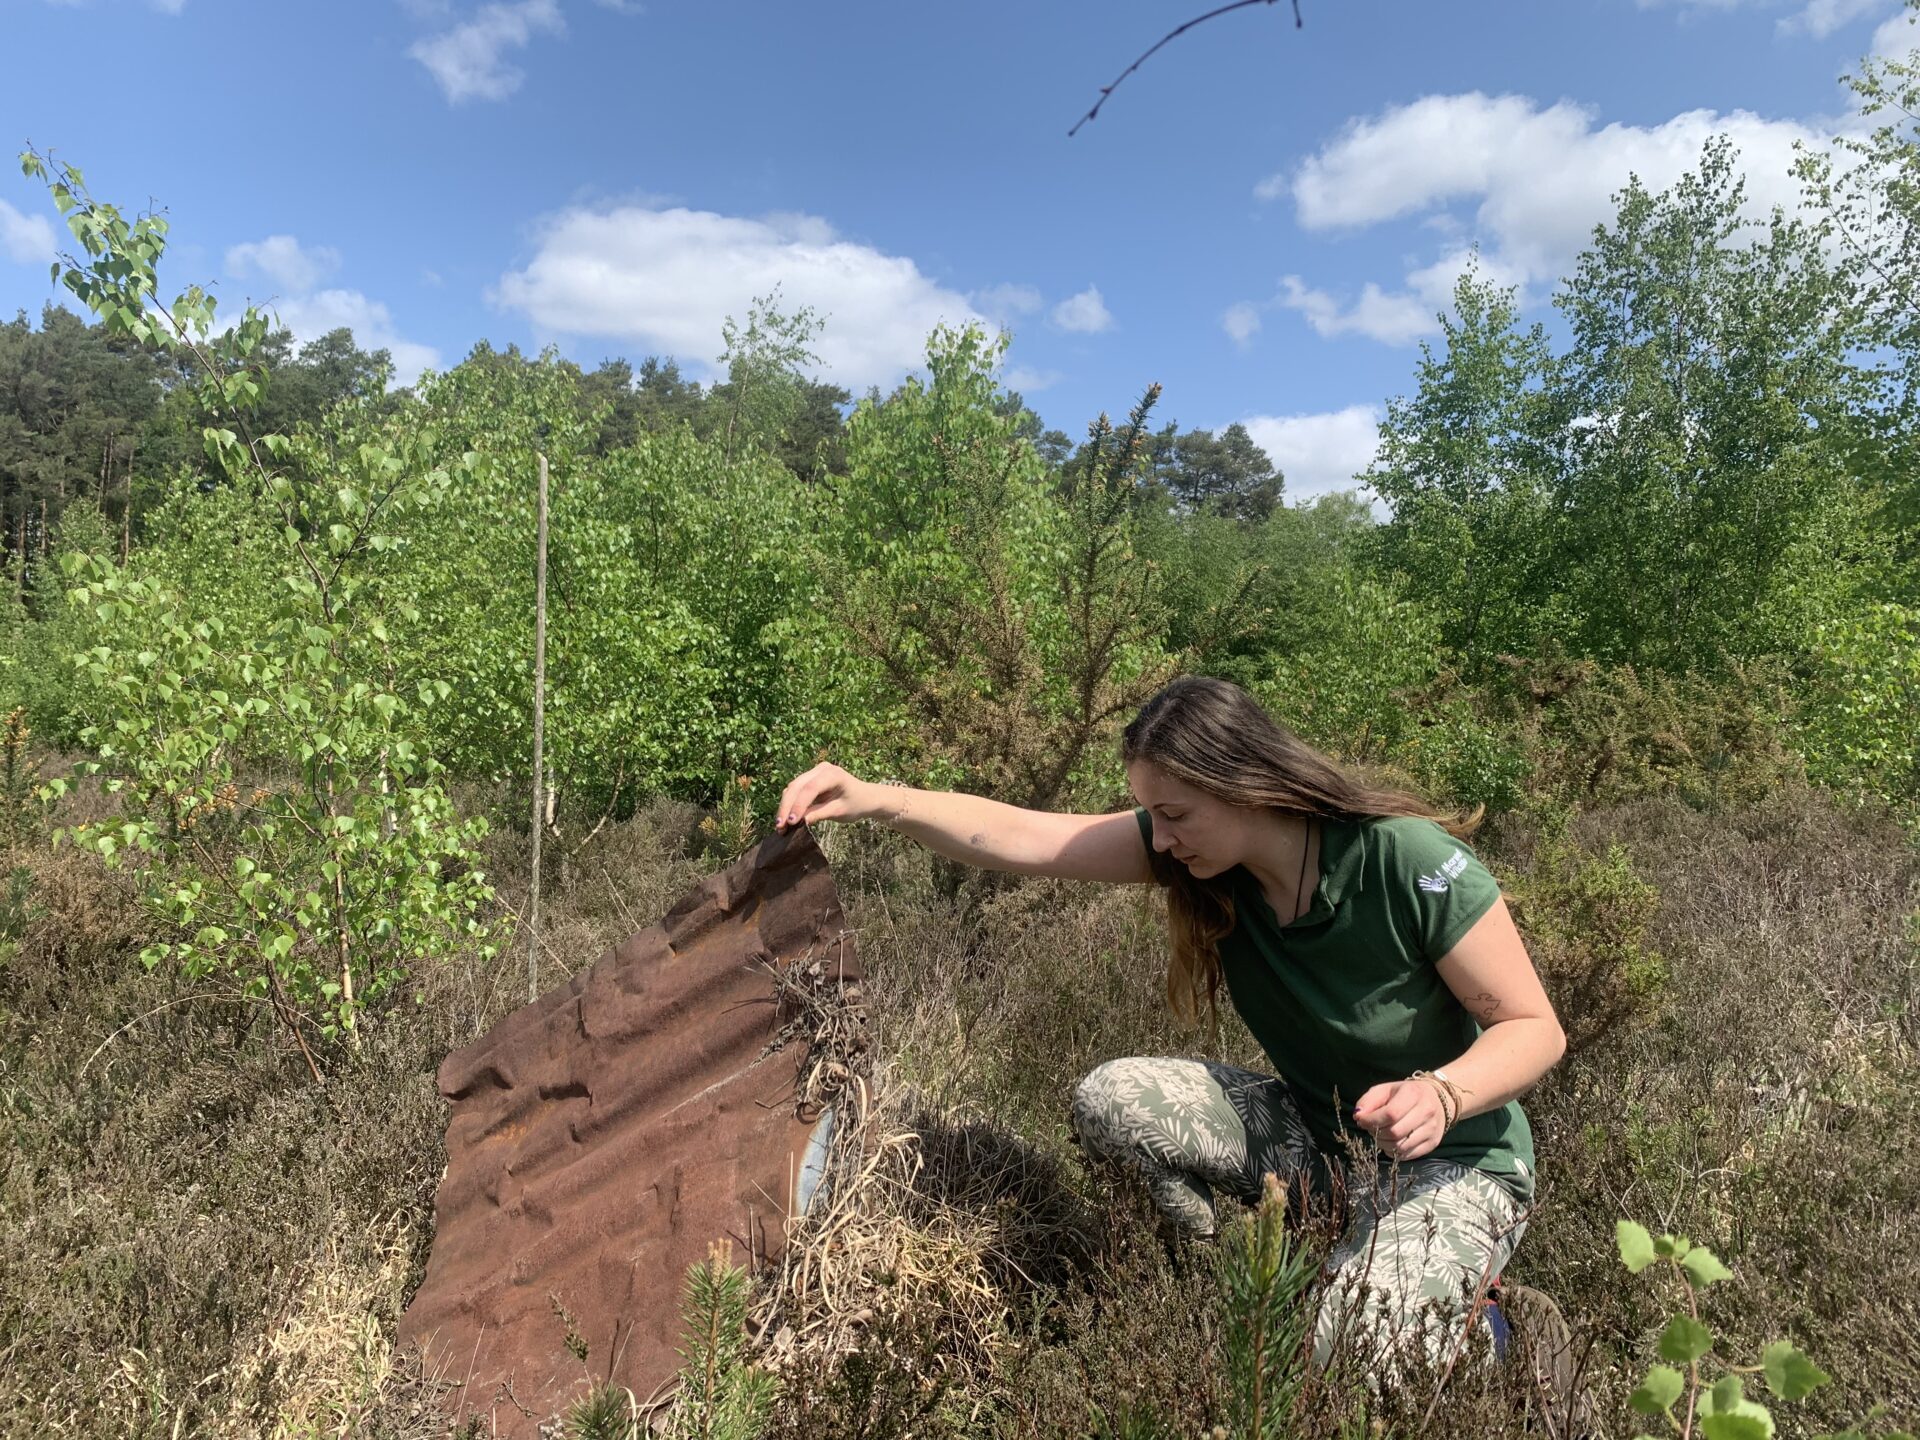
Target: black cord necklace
(1300, 885)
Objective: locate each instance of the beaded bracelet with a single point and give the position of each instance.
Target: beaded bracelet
(1448, 1092)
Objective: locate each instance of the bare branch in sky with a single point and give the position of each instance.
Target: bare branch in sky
(1174, 33)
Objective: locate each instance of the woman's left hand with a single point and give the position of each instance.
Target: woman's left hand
(1405, 1117)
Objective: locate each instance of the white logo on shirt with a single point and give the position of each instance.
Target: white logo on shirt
(1438, 882)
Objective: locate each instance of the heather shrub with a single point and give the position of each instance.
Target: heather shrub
(1585, 918)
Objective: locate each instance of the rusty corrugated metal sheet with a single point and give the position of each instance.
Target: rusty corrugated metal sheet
(605, 1135)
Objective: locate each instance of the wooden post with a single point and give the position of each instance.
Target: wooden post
(539, 732)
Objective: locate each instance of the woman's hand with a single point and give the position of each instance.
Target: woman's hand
(826, 792)
(1405, 1117)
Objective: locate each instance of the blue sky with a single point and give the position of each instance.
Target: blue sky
(1264, 219)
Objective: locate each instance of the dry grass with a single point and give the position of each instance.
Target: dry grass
(331, 1354)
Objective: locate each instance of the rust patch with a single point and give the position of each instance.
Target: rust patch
(602, 1137)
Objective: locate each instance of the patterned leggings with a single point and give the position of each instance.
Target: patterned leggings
(1421, 1232)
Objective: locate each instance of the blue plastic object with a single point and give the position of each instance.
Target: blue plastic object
(1502, 1331)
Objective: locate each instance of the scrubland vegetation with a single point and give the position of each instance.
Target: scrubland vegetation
(1650, 594)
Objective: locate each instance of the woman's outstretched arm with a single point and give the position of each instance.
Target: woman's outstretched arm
(975, 830)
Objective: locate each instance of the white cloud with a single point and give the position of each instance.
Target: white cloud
(1083, 314)
(283, 260)
(1003, 303)
(666, 278)
(1537, 179)
(26, 239)
(1029, 382)
(309, 312)
(1434, 283)
(1821, 18)
(1390, 318)
(311, 316)
(467, 60)
(1393, 317)
(1895, 38)
(1242, 322)
(1816, 18)
(1319, 453)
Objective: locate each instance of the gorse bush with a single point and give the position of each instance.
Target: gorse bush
(1007, 612)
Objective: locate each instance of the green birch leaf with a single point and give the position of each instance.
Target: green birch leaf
(1703, 1267)
(1658, 1391)
(1684, 1340)
(1790, 1375)
(1636, 1245)
(1725, 1396)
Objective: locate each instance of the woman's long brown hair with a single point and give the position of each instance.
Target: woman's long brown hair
(1212, 735)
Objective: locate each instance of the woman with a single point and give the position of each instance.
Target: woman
(1367, 950)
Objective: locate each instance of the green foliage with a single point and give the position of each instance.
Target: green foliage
(1225, 474)
(1858, 724)
(1718, 1404)
(1266, 1271)
(1010, 614)
(1672, 491)
(722, 1395)
(1350, 683)
(1467, 465)
(322, 886)
(1704, 500)
(1865, 185)
(607, 1412)
(764, 397)
(1598, 734)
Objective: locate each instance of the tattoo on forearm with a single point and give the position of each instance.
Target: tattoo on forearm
(977, 839)
(1484, 1005)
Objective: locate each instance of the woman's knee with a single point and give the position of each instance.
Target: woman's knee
(1099, 1108)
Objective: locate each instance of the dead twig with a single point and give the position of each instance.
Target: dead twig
(1173, 34)
(233, 997)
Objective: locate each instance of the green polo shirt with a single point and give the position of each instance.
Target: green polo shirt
(1348, 997)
